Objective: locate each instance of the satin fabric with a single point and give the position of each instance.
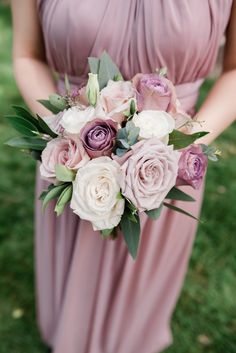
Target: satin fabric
(91, 296)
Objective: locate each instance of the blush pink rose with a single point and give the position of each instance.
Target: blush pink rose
(192, 166)
(115, 99)
(155, 92)
(62, 151)
(148, 172)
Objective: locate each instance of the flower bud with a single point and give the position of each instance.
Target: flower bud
(92, 89)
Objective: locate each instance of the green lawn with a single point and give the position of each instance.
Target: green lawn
(205, 318)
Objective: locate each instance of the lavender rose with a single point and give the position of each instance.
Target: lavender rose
(98, 137)
(155, 92)
(62, 151)
(192, 166)
(148, 172)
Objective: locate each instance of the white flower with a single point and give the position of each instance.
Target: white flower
(92, 88)
(74, 119)
(154, 123)
(95, 191)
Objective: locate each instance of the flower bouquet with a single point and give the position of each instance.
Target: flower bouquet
(113, 149)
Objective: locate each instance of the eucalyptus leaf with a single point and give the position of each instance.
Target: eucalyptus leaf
(53, 192)
(108, 70)
(181, 140)
(122, 143)
(63, 173)
(131, 232)
(23, 125)
(177, 194)
(27, 142)
(94, 65)
(63, 199)
(155, 213)
(180, 210)
(120, 152)
(46, 103)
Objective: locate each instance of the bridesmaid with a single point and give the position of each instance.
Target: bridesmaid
(91, 296)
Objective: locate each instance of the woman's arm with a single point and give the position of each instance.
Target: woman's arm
(31, 71)
(219, 109)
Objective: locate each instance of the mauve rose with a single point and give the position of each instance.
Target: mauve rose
(155, 92)
(148, 172)
(62, 151)
(192, 166)
(115, 99)
(98, 137)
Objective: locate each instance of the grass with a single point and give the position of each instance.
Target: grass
(205, 318)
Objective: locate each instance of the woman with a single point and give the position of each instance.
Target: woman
(92, 297)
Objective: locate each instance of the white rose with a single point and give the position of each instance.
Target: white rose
(154, 123)
(74, 119)
(95, 191)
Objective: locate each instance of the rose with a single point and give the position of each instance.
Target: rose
(154, 123)
(62, 151)
(74, 119)
(148, 172)
(155, 92)
(95, 191)
(115, 99)
(98, 137)
(192, 166)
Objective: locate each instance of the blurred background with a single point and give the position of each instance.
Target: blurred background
(205, 318)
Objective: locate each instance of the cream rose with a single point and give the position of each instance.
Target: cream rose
(74, 119)
(95, 191)
(154, 123)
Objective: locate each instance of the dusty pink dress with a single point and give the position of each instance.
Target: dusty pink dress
(92, 297)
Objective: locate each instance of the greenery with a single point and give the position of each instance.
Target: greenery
(205, 319)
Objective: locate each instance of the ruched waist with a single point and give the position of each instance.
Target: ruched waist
(187, 92)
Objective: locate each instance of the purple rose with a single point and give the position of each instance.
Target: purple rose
(192, 166)
(155, 92)
(98, 137)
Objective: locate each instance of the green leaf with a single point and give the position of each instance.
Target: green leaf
(155, 213)
(33, 143)
(106, 232)
(22, 125)
(63, 199)
(53, 192)
(181, 140)
(63, 173)
(94, 65)
(177, 194)
(107, 70)
(122, 143)
(45, 128)
(46, 103)
(24, 113)
(131, 232)
(180, 210)
(132, 107)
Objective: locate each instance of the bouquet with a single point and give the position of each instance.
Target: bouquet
(113, 149)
